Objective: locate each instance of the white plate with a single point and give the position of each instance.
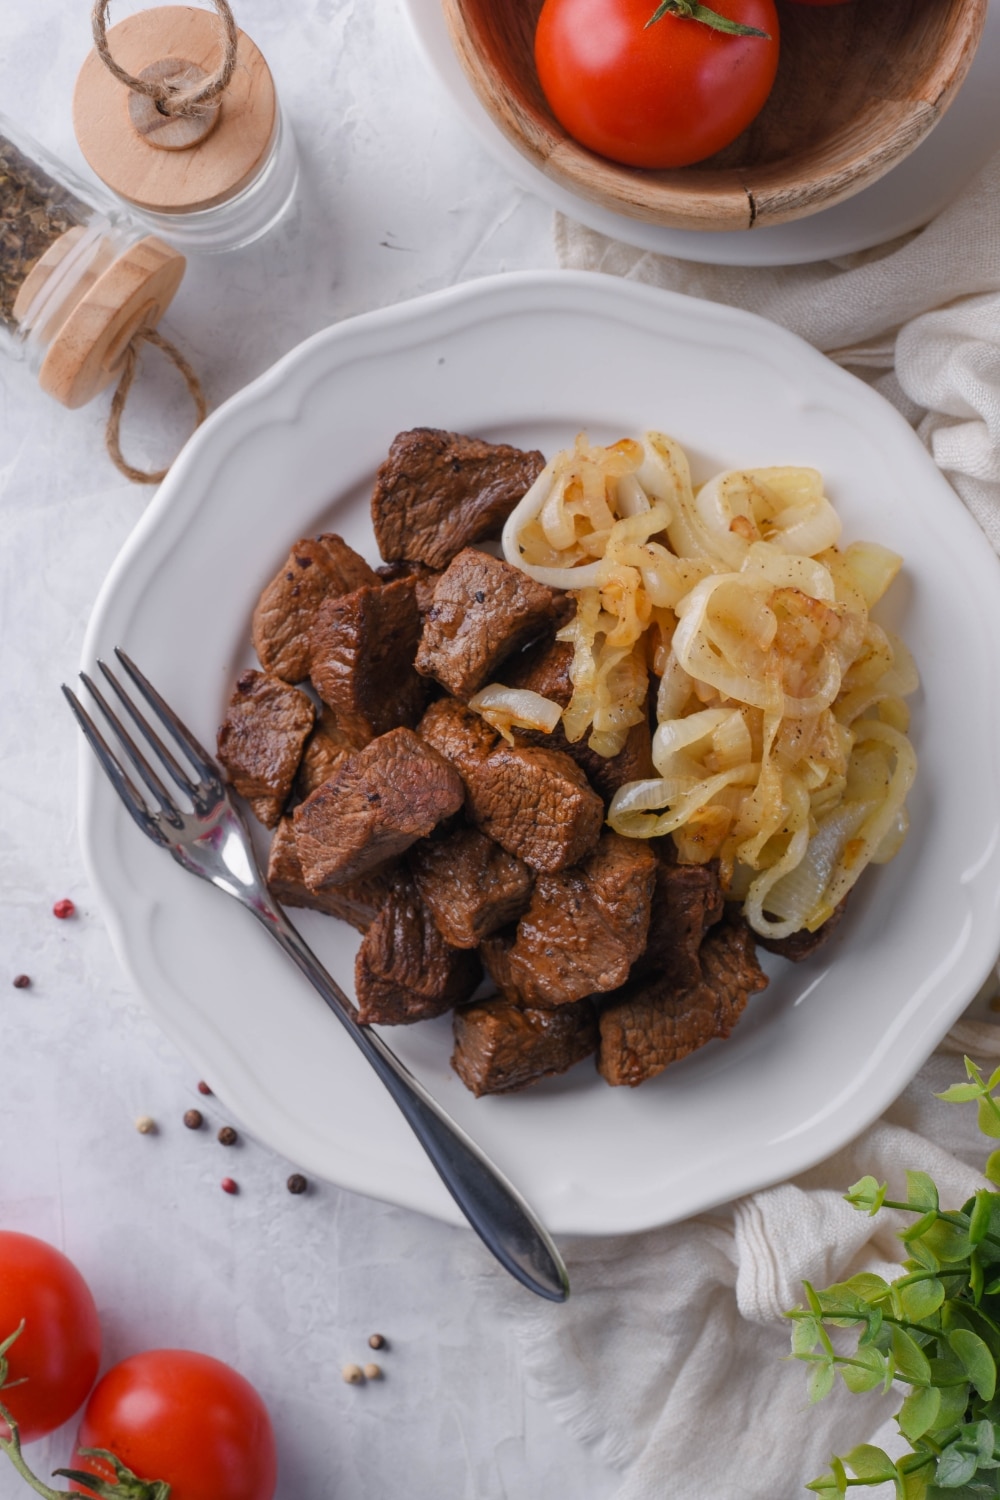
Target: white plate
(909, 196)
(532, 359)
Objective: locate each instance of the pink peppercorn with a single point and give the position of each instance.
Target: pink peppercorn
(63, 909)
(229, 1186)
(203, 1087)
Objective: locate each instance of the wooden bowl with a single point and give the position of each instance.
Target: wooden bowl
(858, 87)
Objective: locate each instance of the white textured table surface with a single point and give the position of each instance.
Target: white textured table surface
(395, 200)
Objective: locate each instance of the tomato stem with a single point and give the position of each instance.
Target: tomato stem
(692, 11)
(126, 1486)
(12, 1447)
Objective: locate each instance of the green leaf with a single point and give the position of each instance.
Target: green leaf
(867, 1195)
(992, 1169)
(828, 1485)
(915, 1485)
(955, 1467)
(989, 1117)
(821, 1381)
(874, 1328)
(976, 1278)
(961, 1093)
(842, 1306)
(921, 1190)
(921, 1299)
(954, 1403)
(979, 1220)
(976, 1360)
(919, 1227)
(871, 1463)
(867, 1286)
(911, 1361)
(947, 1241)
(924, 1256)
(919, 1412)
(982, 1434)
(868, 1368)
(805, 1336)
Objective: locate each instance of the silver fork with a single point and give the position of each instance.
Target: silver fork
(212, 841)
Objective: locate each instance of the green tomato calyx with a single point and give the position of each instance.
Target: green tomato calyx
(690, 10)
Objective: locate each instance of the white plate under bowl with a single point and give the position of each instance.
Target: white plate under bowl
(907, 197)
(532, 359)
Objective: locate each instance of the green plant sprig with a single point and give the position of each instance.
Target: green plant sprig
(933, 1333)
(125, 1486)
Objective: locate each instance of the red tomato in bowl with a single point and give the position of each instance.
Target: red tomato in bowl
(663, 95)
(59, 1351)
(184, 1418)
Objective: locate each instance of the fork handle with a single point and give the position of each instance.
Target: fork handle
(491, 1204)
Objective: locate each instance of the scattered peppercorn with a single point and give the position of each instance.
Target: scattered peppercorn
(203, 1087)
(228, 1136)
(229, 1186)
(22, 981)
(353, 1374)
(373, 1372)
(297, 1183)
(63, 909)
(376, 1341)
(146, 1125)
(194, 1119)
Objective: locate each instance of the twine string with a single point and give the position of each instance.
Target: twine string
(112, 436)
(170, 98)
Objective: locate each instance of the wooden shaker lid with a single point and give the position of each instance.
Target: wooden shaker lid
(220, 159)
(86, 353)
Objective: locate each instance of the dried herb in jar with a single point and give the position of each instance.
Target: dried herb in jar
(35, 211)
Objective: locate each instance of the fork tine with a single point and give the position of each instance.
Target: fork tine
(138, 762)
(181, 777)
(126, 791)
(196, 754)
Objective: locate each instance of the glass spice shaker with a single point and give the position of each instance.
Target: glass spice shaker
(212, 179)
(78, 275)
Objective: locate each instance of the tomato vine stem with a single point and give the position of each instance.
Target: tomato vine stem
(692, 11)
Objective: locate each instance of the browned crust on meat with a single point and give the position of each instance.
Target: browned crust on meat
(261, 738)
(535, 803)
(482, 611)
(651, 1023)
(687, 902)
(317, 568)
(470, 885)
(584, 928)
(362, 647)
(404, 970)
(357, 902)
(501, 1047)
(377, 803)
(439, 491)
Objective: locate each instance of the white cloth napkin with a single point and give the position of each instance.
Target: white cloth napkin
(669, 1355)
(918, 318)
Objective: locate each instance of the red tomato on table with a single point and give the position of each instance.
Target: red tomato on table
(59, 1352)
(184, 1418)
(663, 95)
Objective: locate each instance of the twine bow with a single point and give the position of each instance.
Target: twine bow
(171, 98)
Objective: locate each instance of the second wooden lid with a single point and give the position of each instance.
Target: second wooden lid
(168, 175)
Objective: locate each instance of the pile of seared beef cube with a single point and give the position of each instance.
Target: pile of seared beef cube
(457, 854)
